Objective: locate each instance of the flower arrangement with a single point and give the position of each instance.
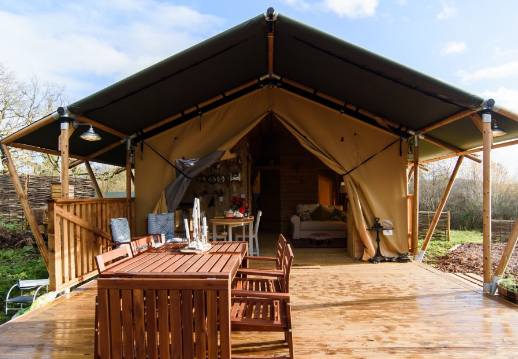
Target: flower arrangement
(238, 204)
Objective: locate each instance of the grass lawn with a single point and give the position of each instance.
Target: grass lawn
(24, 263)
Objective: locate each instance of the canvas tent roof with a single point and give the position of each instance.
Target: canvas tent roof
(235, 62)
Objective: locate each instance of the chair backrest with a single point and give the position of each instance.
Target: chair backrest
(142, 244)
(281, 245)
(162, 223)
(287, 262)
(120, 230)
(256, 224)
(151, 318)
(110, 258)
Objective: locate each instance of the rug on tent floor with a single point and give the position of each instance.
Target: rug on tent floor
(305, 243)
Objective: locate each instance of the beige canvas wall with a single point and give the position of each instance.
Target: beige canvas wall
(382, 180)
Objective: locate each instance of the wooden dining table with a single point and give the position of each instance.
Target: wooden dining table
(221, 262)
(231, 223)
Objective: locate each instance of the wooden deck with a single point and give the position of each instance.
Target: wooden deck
(341, 308)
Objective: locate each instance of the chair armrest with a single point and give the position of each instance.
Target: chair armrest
(261, 272)
(295, 219)
(252, 293)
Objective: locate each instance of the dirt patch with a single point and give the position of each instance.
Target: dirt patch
(468, 258)
(12, 239)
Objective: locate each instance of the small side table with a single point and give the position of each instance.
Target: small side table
(319, 238)
(378, 257)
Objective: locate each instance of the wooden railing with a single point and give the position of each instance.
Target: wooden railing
(79, 229)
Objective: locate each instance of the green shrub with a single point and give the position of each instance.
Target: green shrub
(509, 282)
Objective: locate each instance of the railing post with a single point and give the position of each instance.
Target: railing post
(52, 246)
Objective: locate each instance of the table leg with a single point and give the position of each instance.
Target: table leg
(250, 241)
(229, 233)
(214, 232)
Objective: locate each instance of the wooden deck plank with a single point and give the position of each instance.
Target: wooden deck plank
(340, 308)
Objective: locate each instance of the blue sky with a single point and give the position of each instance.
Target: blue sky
(88, 45)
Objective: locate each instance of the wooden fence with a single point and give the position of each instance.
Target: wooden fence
(442, 230)
(38, 190)
(501, 230)
(79, 229)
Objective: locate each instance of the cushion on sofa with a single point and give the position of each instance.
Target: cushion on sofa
(320, 214)
(338, 215)
(306, 207)
(304, 216)
(323, 226)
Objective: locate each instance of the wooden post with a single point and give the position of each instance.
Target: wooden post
(415, 199)
(63, 147)
(128, 169)
(26, 206)
(437, 215)
(486, 232)
(93, 179)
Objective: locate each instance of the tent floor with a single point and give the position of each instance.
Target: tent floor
(340, 308)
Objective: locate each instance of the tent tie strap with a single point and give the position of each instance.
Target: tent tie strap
(371, 157)
(165, 159)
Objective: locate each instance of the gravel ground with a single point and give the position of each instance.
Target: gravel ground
(468, 258)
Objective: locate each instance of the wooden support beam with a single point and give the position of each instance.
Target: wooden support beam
(410, 173)
(486, 219)
(270, 52)
(63, 146)
(477, 120)
(33, 127)
(415, 199)
(440, 207)
(26, 206)
(446, 121)
(449, 147)
(128, 170)
(93, 179)
(474, 150)
(100, 126)
(506, 112)
(511, 243)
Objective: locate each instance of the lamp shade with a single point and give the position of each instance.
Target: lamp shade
(90, 135)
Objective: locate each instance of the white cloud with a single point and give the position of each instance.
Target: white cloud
(505, 97)
(77, 44)
(353, 9)
(489, 73)
(448, 10)
(454, 48)
(402, 2)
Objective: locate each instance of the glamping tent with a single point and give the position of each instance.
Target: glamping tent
(358, 112)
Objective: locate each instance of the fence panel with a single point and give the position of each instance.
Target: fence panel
(79, 229)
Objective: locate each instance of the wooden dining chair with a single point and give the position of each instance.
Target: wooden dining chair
(262, 312)
(255, 235)
(269, 280)
(278, 259)
(121, 234)
(143, 244)
(108, 259)
(163, 318)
